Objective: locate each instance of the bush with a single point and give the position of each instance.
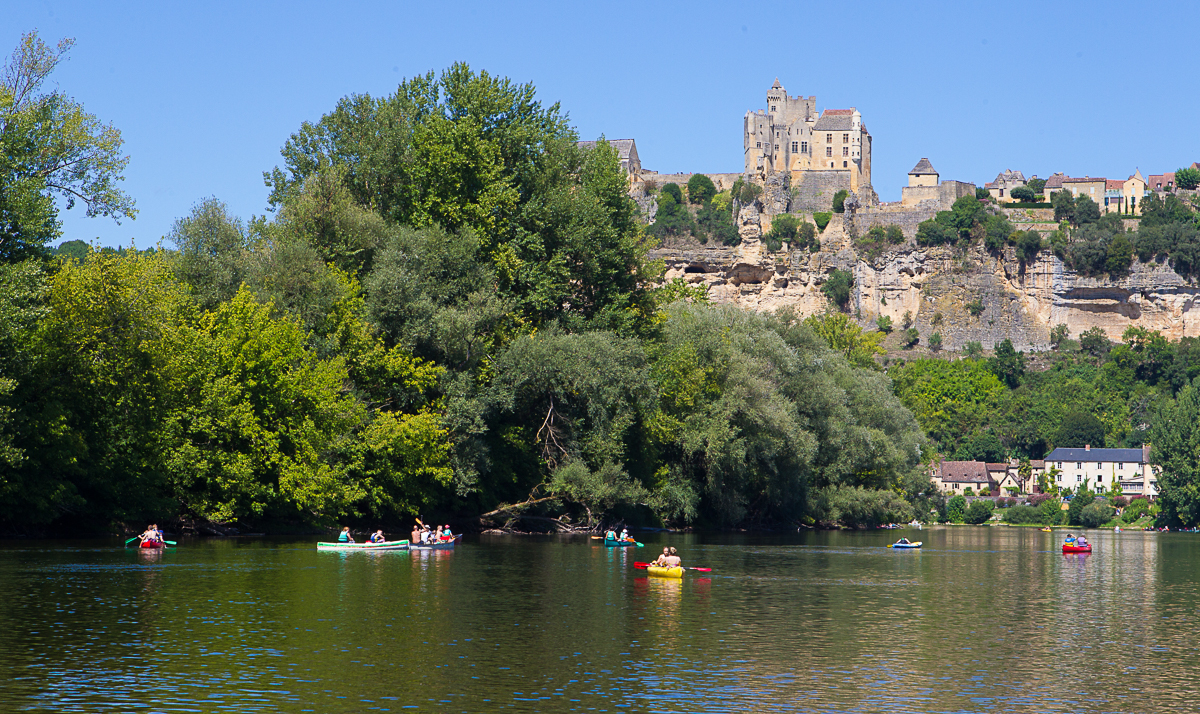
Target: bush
(718, 225)
(1052, 513)
(672, 190)
(1034, 204)
(885, 324)
(839, 201)
(1019, 515)
(1187, 179)
(956, 509)
(1119, 501)
(982, 194)
(973, 349)
(857, 507)
(1029, 244)
(746, 192)
(935, 342)
(975, 307)
(895, 235)
(911, 338)
(1024, 194)
(979, 512)
(822, 218)
(1075, 509)
(1005, 502)
(1137, 508)
(1096, 514)
(837, 287)
(700, 189)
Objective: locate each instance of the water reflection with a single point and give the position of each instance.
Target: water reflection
(980, 620)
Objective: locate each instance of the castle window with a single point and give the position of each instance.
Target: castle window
(829, 151)
(758, 144)
(845, 164)
(795, 146)
(845, 138)
(845, 151)
(829, 138)
(774, 108)
(777, 147)
(804, 147)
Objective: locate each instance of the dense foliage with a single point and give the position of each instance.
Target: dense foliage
(450, 310)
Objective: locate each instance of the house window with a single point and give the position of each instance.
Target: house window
(777, 147)
(758, 144)
(845, 164)
(1001, 193)
(845, 151)
(829, 138)
(795, 146)
(829, 151)
(845, 138)
(1060, 464)
(774, 108)
(1120, 464)
(1100, 465)
(1078, 465)
(804, 147)
(1058, 477)
(1078, 478)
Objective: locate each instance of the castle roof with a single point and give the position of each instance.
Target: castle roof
(777, 85)
(923, 167)
(624, 147)
(835, 120)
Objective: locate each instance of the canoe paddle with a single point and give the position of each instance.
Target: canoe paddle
(643, 566)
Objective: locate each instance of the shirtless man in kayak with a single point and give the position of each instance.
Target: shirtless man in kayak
(151, 535)
(415, 536)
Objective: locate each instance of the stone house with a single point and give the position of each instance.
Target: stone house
(999, 475)
(1054, 183)
(1093, 188)
(954, 477)
(626, 153)
(1161, 183)
(791, 136)
(1037, 467)
(1006, 181)
(1101, 468)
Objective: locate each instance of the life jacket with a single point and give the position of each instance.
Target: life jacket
(344, 537)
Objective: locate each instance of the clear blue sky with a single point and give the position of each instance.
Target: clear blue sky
(206, 93)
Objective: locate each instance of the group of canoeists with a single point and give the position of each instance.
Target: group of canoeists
(421, 534)
(152, 536)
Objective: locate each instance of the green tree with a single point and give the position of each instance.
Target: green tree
(984, 447)
(956, 509)
(1024, 193)
(1029, 244)
(982, 194)
(839, 200)
(1095, 341)
(1086, 210)
(935, 342)
(1079, 429)
(53, 150)
(213, 253)
(1175, 439)
(700, 189)
(1036, 185)
(1187, 178)
(979, 511)
(1058, 334)
(838, 286)
(1008, 364)
(1064, 205)
(885, 324)
(973, 350)
(846, 337)
(1120, 255)
(1079, 502)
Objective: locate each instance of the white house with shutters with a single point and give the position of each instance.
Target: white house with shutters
(1101, 468)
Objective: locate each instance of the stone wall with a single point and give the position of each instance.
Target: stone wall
(814, 190)
(907, 217)
(722, 181)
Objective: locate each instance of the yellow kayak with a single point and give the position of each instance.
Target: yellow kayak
(661, 572)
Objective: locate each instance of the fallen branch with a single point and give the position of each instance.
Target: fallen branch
(523, 504)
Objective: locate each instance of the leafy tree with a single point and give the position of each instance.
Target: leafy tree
(717, 224)
(1086, 210)
(784, 227)
(1036, 185)
(822, 218)
(907, 320)
(845, 336)
(1058, 334)
(982, 194)
(933, 232)
(885, 324)
(746, 192)
(895, 235)
(213, 252)
(911, 338)
(983, 447)
(956, 509)
(1137, 508)
(973, 349)
(1079, 502)
(1157, 212)
(1120, 256)
(1094, 341)
(979, 511)
(1024, 193)
(1008, 364)
(1175, 439)
(1079, 429)
(1029, 244)
(949, 399)
(53, 150)
(1187, 178)
(839, 200)
(1064, 205)
(857, 507)
(935, 342)
(700, 189)
(837, 287)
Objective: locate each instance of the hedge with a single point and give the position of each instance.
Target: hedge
(1029, 205)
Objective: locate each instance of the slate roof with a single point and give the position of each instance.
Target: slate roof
(923, 167)
(964, 472)
(1061, 454)
(835, 120)
(777, 85)
(623, 146)
(997, 467)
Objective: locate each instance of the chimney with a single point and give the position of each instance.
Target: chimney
(1145, 453)
(1087, 447)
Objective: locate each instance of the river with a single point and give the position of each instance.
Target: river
(979, 620)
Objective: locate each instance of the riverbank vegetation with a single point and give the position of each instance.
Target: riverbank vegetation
(449, 310)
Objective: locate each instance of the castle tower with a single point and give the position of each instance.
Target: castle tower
(923, 174)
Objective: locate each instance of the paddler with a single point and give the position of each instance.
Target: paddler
(151, 535)
(446, 534)
(625, 534)
(673, 560)
(377, 537)
(1070, 539)
(610, 534)
(662, 559)
(344, 536)
(415, 536)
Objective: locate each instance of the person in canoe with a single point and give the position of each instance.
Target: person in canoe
(1081, 542)
(446, 534)
(610, 534)
(152, 535)
(903, 541)
(1070, 539)
(344, 536)
(662, 559)
(415, 536)
(673, 560)
(377, 536)
(625, 535)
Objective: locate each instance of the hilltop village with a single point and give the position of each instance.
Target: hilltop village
(1010, 259)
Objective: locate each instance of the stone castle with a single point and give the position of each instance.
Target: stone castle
(832, 147)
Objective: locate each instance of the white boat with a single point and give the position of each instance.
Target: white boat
(386, 545)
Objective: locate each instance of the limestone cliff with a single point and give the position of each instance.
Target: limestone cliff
(1019, 302)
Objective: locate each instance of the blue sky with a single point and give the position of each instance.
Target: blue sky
(205, 94)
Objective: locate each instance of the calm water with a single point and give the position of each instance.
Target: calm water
(980, 620)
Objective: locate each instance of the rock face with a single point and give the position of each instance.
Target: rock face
(973, 296)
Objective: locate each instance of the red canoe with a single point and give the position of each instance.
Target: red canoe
(152, 544)
(1067, 548)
